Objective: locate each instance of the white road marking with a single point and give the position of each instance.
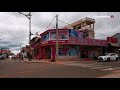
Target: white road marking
(100, 67)
(94, 66)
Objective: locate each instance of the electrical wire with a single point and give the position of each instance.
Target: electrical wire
(65, 22)
(72, 25)
(50, 22)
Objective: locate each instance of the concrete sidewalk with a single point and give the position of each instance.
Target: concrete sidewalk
(36, 61)
(58, 61)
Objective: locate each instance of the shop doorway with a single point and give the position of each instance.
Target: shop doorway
(48, 52)
(84, 54)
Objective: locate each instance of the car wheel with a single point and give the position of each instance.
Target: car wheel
(108, 59)
(117, 59)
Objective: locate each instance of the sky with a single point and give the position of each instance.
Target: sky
(14, 27)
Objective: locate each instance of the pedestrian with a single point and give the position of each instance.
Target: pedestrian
(29, 55)
(21, 56)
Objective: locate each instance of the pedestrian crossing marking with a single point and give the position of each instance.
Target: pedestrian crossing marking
(98, 66)
(112, 68)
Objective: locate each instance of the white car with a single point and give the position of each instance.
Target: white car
(108, 57)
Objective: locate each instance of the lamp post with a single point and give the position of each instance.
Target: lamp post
(29, 17)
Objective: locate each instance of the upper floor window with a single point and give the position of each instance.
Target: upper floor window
(45, 37)
(61, 35)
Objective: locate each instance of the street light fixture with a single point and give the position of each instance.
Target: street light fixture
(29, 17)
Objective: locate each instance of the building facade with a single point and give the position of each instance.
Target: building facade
(75, 41)
(72, 44)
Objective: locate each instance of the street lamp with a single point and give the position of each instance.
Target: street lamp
(29, 17)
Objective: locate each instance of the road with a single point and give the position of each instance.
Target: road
(76, 69)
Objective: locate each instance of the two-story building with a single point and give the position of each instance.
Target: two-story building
(77, 40)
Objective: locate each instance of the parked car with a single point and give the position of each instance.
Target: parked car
(12, 57)
(2, 56)
(109, 57)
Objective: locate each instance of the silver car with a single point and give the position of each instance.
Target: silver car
(109, 57)
(2, 56)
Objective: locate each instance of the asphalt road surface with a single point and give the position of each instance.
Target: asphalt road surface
(22, 69)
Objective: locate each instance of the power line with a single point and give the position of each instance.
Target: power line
(72, 25)
(65, 22)
(50, 23)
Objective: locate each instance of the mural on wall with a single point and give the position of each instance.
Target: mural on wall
(73, 33)
(63, 51)
(80, 34)
(68, 51)
(72, 52)
(45, 37)
(61, 35)
(77, 33)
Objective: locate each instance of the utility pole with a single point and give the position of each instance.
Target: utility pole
(29, 27)
(56, 37)
(29, 17)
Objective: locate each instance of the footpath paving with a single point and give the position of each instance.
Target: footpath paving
(58, 61)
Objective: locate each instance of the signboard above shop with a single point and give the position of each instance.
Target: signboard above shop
(111, 40)
(76, 41)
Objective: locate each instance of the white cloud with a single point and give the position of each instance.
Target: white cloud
(14, 26)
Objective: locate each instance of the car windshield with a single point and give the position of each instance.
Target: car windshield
(107, 54)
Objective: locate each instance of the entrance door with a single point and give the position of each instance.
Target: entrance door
(84, 53)
(48, 53)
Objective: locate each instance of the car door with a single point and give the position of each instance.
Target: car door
(113, 57)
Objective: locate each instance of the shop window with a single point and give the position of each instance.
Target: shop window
(45, 37)
(53, 35)
(61, 35)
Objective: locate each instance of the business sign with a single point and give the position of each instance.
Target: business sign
(87, 41)
(63, 51)
(78, 41)
(111, 40)
(52, 42)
